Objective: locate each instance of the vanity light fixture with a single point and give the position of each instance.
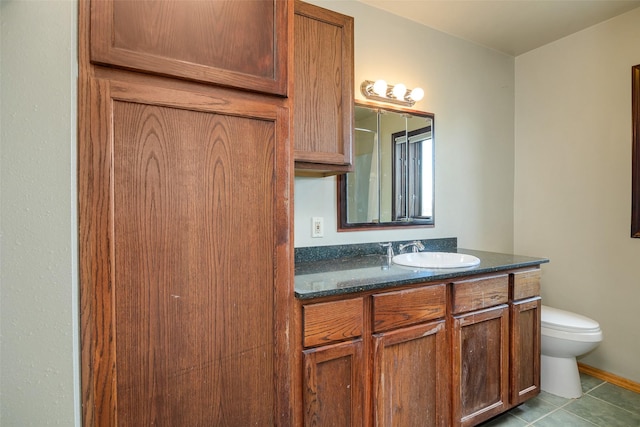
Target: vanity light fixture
(398, 94)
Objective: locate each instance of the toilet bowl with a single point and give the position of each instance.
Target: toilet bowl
(564, 336)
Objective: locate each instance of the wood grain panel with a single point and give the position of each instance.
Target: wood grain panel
(526, 284)
(525, 350)
(180, 227)
(410, 376)
(334, 385)
(323, 84)
(200, 40)
(95, 212)
(480, 365)
(476, 294)
(184, 294)
(332, 321)
(407, 307)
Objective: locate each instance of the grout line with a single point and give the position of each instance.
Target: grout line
(583, 419)
(559, 408)
(587, 393)
(569, 401)
(611, 403)
(545, 415)
(593, 388)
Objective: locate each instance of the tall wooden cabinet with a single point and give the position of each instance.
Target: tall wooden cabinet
(177, 327)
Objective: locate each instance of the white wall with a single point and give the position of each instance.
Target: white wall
(573, 180)
(470, 89)
(39, 373)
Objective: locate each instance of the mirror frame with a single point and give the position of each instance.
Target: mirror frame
(635, 151)
(343, 224)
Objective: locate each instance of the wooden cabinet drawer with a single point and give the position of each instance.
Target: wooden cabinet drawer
(332, 321)
(526, 284)
(480, 293)
(409, 306)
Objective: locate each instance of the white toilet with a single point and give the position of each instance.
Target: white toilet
(564, 336)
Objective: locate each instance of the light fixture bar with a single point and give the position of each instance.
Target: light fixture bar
(398, 94)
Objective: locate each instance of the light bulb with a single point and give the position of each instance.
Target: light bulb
(417, 94)
(380, 87)
(399, 90)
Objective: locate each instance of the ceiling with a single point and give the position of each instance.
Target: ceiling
(510, 26)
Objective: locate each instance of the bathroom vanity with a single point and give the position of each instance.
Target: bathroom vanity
(388, 345)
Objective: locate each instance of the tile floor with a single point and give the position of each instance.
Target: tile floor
(603, 405)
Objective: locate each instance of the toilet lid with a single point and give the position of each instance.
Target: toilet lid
(554, 318)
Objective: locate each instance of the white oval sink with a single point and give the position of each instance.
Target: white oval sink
(436, 260)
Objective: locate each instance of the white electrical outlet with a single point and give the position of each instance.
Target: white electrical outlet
(317, 226)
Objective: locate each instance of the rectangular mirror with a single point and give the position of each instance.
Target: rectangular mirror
(392, 184)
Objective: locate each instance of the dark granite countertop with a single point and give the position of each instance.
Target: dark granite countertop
(368, 271)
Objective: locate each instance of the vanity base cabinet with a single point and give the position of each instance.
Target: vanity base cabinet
(332, 390)
(410, 376)
(480, 365)
(430, 354)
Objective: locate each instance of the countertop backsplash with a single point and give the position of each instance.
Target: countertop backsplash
(322, 253)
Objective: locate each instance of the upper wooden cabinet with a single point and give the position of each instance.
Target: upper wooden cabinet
(241, 44)
(323, 89)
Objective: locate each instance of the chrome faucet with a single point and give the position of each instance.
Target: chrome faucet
(389, 247)
(388, 260)
(417, 246)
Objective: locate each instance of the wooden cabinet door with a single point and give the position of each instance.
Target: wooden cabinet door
(184, 257)
(323, 87)
(411, 376)
(480, 365)
(525, 349)
(333, 385)
(241, 44)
